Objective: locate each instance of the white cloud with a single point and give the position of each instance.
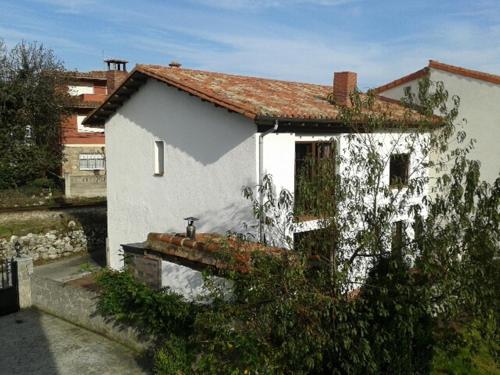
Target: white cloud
(256, 4)
(202, 38)
(69, 6)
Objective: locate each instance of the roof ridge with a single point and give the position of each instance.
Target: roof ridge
(236, 75)
(406, 78)
(471, 73)
(434, 64)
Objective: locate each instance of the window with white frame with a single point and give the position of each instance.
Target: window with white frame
(74, 90)
(92, 162)
(159, 155)
(86, 129)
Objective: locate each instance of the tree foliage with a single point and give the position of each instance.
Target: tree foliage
(33, 102)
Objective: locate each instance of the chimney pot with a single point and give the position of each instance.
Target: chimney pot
(344, 84)
(116, 65)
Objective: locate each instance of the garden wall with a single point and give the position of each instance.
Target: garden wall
(79, 306)
(52, 234)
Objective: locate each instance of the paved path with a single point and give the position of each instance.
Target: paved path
(69, 268)
(32, 342)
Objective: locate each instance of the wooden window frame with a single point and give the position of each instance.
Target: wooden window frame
(399, 181)
(315, 151)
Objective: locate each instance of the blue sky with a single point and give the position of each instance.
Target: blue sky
(299, 40)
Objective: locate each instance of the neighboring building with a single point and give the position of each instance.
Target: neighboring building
(183, 142)
(479, 104)
(84, 164)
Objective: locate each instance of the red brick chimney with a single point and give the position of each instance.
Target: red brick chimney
(344, 83)
(116, 74)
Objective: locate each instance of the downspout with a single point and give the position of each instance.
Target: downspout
(261, 175)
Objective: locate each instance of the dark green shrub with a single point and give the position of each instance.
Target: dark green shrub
(160, 313)
(400, 328)
(43, 183)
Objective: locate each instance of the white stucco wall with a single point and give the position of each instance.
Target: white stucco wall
(398, 92)
(210, 154)
(190, 283)
(279, 158)
(479, 106)
(391, 143)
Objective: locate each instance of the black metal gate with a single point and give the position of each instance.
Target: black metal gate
(9, 295)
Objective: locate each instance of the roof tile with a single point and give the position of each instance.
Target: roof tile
(255, 98)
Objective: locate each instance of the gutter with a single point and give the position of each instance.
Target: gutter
(261, 175)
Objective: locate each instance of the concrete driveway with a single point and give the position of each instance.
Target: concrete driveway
(32, 342)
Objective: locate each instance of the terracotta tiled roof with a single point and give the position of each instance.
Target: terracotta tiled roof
(255, 98)
(492, 78)
(209, 249)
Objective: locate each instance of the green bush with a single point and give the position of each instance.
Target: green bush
(174, 357)
(154, 312)
(43, 183)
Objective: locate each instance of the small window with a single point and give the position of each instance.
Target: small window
(92, 162)
(75, 90)
(399, 167)
(159, 158)
(86, 129)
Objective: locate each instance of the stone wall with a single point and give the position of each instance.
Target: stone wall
(71, 163)
(83, 183)
(79, 306)
(76, 230)
(46, 246)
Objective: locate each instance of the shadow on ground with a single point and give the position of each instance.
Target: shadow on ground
(33, 342)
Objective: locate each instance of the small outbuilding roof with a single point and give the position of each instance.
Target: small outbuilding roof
(255, 98)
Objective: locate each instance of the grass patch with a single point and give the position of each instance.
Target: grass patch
(36, 226)
(28, 196)
(475, 355)
(32, 196)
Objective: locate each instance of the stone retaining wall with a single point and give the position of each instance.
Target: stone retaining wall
(78, 230)
(79, 306)
(46, 246)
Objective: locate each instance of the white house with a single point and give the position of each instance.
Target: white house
(184, 142)
(479, 98)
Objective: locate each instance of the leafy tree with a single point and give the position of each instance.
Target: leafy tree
(33, 102)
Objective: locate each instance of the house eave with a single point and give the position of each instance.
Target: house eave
(123, 92)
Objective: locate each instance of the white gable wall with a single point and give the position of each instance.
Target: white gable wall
(479, 106)
(210, 154)
(398, 92)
